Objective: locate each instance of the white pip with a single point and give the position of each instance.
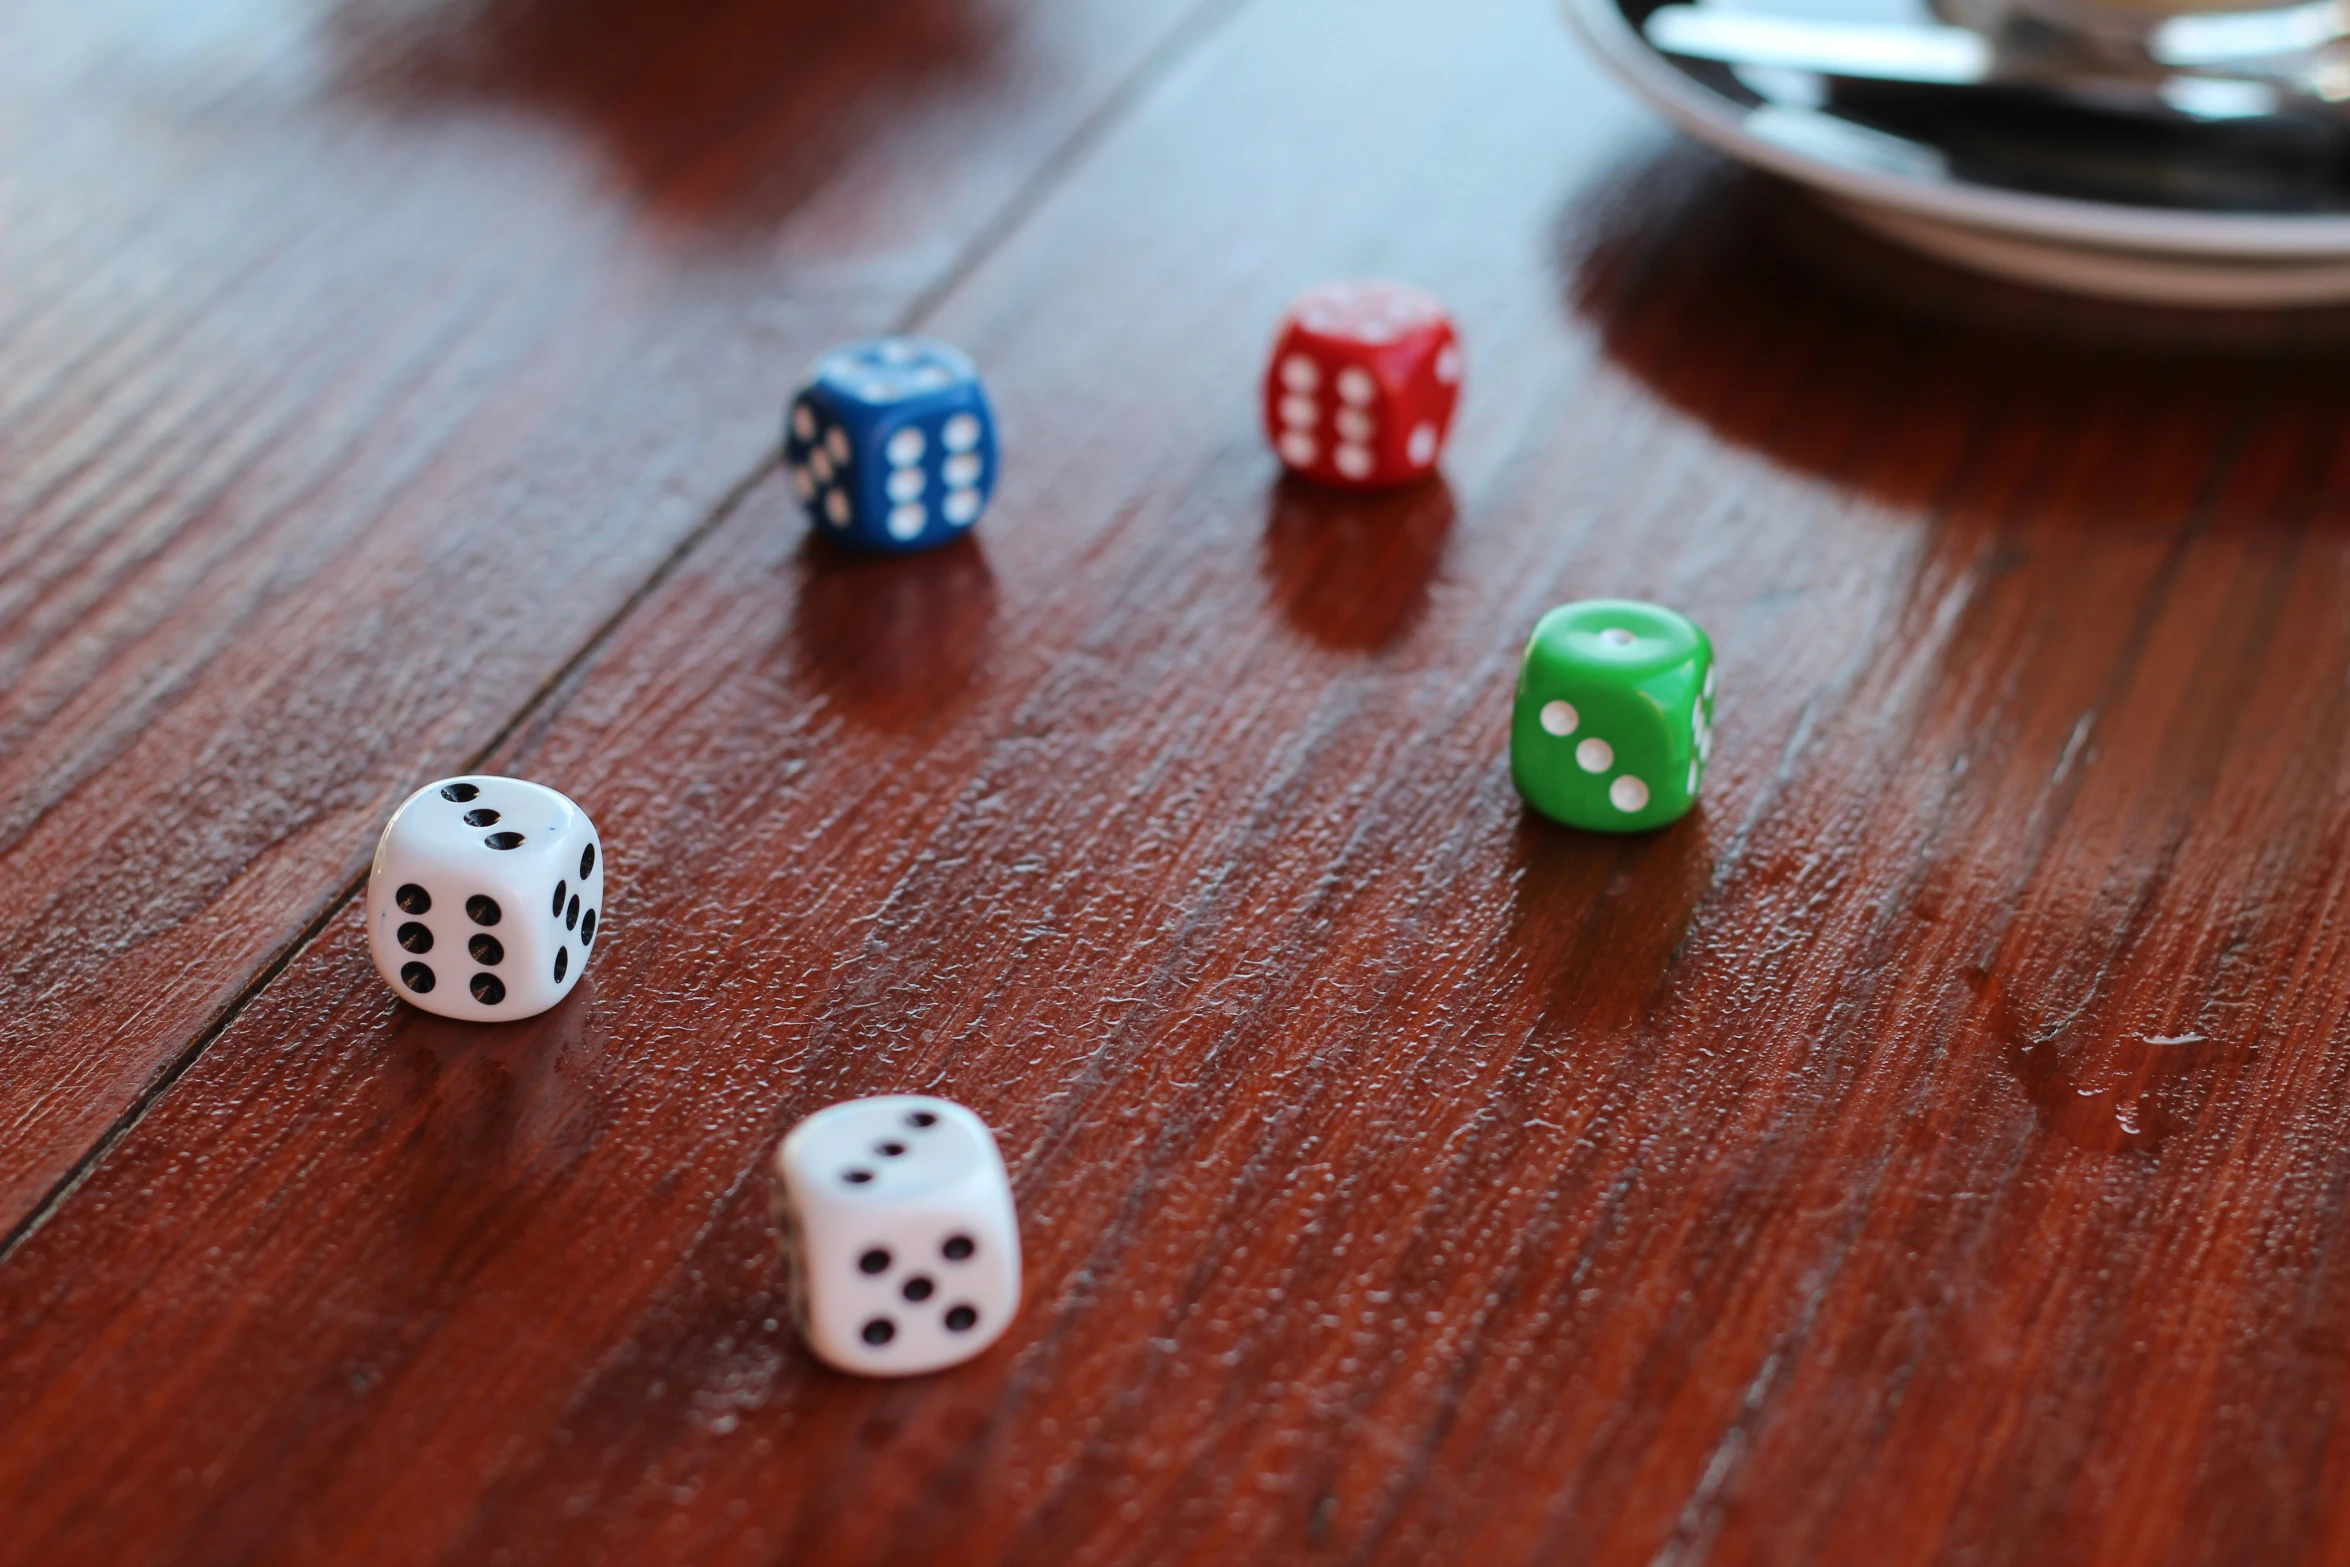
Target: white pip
(899, 1239)
(484, 898)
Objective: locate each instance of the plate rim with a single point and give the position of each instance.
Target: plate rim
(2103, 225)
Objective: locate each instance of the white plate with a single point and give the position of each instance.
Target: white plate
(2249, 247)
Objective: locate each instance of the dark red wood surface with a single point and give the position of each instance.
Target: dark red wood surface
(366, 359)
(1927, 1152)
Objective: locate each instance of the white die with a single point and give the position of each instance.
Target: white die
(485, 898)
(899, 1239)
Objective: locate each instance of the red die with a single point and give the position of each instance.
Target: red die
(1364, 379)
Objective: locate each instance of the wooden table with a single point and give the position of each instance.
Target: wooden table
(1929, 1151)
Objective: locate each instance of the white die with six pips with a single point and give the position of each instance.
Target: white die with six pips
(899, 1239)
(485, 898)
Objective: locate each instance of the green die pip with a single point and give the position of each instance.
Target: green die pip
(1614, 716)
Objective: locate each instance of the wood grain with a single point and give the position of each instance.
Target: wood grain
(365, 358)
(1923, 1153)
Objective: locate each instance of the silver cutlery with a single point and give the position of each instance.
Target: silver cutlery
(2204, 68)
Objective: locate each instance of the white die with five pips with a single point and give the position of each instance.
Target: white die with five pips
(900, 1243)
(485, 898)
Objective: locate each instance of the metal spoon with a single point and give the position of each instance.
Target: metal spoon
(1940, 56)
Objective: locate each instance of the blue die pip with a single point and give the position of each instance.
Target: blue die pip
(891, 444)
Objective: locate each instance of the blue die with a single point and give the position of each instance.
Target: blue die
(891, 445)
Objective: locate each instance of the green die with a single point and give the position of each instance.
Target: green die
(1614, 717)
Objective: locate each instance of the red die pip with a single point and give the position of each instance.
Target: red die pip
(1363, 383)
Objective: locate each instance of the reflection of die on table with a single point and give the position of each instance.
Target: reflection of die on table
(1363, 383)
(1612, 726)
(484, 898)
(891, 445)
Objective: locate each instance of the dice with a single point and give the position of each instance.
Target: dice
(1363, 383)
(891, 445)
(900, 1247)
(1614, 717)
(484, 898)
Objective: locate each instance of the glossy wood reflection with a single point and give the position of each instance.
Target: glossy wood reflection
(367, 358)
(1923, 1153)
